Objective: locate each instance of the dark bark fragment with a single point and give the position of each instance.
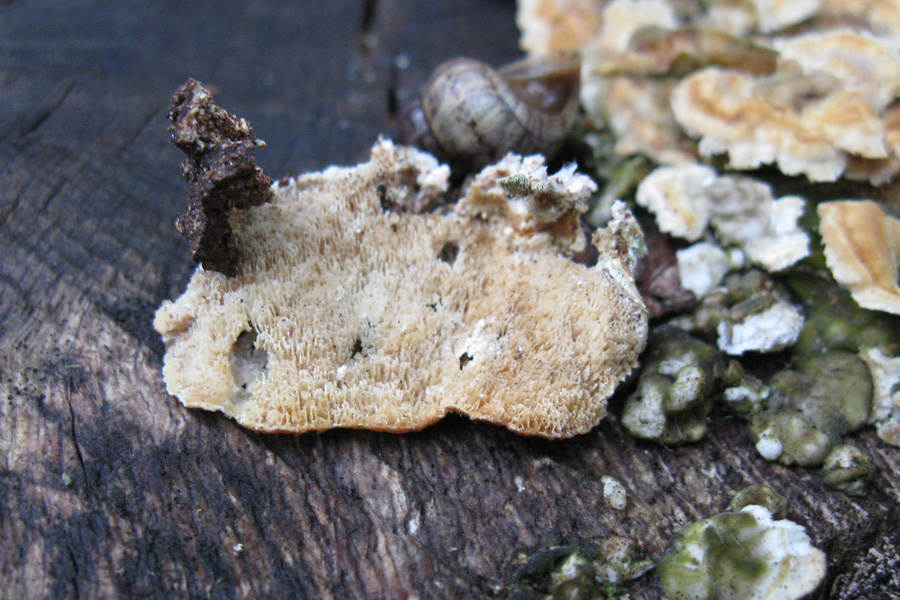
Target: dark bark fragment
(221, 171)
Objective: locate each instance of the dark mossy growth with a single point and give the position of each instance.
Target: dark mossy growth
(583, 571)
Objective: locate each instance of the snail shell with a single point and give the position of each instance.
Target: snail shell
(470, 114)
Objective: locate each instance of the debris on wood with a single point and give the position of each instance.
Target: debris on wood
(221, 171)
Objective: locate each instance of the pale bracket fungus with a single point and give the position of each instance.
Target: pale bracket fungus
(743, 555)
(824, 106)
(743, 212)
(361, 317)
(862, 248)
(885, 414)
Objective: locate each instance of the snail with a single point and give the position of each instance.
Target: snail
(470, 114)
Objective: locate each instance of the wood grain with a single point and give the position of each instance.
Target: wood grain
(110, 488)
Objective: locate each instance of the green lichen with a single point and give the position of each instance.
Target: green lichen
(760, 495)
(811, 406)
(585, 571)
(676, 388)
(742, 555)
(835, 322)
(848, 469)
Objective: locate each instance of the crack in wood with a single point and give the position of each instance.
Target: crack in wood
(48, 110)
(72, 428)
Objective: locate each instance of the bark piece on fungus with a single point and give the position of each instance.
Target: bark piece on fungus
(221, 172)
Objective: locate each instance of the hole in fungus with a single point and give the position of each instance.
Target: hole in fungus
(386, 204)
(464, 359)
(248, 363)
(357, 348)
(449, 252)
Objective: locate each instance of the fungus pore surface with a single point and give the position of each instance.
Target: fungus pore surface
(344, 313)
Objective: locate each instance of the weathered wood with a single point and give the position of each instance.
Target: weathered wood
(108, 487)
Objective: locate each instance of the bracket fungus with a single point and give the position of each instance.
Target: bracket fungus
(862, 248)
(823, 106)
(688, 198)
(343, 314)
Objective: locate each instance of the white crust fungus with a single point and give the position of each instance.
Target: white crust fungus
(343, 314)
(769, 330)
(742, 211)
(702, 267)
(862, 249)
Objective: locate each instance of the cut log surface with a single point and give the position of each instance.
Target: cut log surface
(111, 488)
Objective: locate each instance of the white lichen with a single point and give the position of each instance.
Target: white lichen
(614, 492)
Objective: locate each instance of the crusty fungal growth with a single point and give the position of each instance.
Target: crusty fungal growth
(658, 51)
(221, 171)
(519, 189)
(824, 106)
(862, 248)
(361, 317)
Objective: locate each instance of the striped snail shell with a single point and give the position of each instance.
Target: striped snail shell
(470, 114)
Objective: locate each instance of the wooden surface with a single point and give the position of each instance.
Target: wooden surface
(110, 488)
